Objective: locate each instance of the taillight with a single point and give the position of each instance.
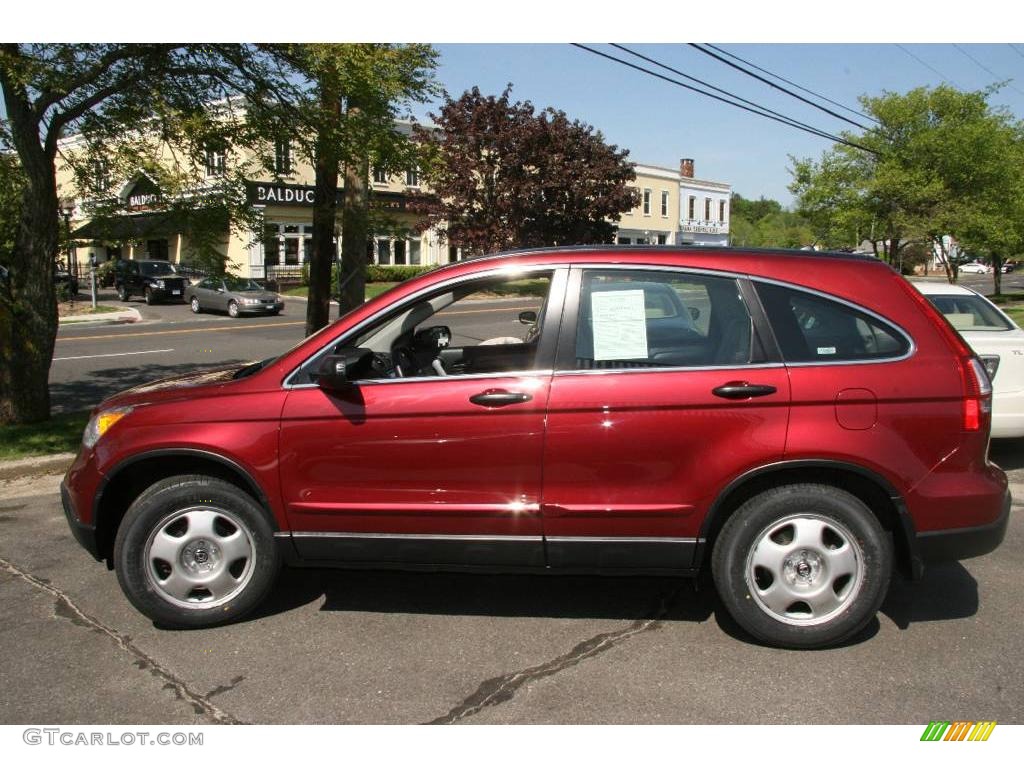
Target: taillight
(976, 385)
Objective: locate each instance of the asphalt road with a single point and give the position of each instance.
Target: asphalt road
(384, 647)
(92, 362)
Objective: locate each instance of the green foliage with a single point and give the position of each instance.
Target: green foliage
(764, 223)
(942, 162)
(12, 183)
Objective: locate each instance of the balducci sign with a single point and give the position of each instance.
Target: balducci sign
(261, 193)
(704, 229)
(142, 195)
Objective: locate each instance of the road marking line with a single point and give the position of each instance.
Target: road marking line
(113, 354)
(214, 329)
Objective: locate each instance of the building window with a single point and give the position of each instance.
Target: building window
(380, 176)
(721, 211)
(215, 160)
(101, 174)
(707, 209)
(625, 241)
(271, 245)
(647, 202)
(664, 204)
(412, 177)
(283, 157)
(662, 239)
(691, 208)
(383, 251)
(415, 256)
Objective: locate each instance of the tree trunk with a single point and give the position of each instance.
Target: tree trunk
(355, 217)
(28, 303)
(997, 273)
(325, 215)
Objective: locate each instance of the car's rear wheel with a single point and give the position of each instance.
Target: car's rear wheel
(233, 308)
(195, 551)
(195, 305)
(122, 293)
(802, 566)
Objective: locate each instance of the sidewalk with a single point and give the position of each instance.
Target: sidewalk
(127, 315)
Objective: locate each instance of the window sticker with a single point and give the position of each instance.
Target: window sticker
(620, 325)
(826, 350)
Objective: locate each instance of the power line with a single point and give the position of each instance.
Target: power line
(790, 82)
(691, 78)
(1016, 50)
(785, 121)
(925, 64)
(776, 86)
(997, 77)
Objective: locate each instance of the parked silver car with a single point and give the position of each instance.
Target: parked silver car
(234, 295)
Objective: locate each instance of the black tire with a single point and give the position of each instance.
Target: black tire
(233, 308)
(122, 293)
(194, 303)
(207, 580)
(148, 294)
(842, 566)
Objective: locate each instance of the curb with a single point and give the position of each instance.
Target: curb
(52, 464)
(110, 318)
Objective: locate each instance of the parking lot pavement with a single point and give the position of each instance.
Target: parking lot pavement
(383, 647)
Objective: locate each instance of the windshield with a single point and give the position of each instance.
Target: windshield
(156, 268)
(970, 313)
(241, 284)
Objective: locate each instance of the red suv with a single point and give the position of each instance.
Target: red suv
(799, 424)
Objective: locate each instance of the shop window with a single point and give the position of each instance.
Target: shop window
(625, 241)
(662, 239)
(398, 247)
(383, 251)
(414, 251)
(271, 246)
(291, 251)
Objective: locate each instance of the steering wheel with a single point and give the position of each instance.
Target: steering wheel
(405, 362)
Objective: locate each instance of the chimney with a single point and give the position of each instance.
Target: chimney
(686, 167)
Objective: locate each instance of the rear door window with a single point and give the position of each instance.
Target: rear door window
(654, 319)
(811, 328)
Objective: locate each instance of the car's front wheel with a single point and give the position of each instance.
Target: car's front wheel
(195, 551)
(148, 294)
(122, 293)
(802, 566)
(233, 308)
(195, 305)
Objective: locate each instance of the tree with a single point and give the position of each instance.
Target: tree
(941, 162)
(765, 223)
(51, 91)
(341, 102)
(507, 177)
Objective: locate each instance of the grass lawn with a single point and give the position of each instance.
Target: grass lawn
(61, 434)
(373, 290)
(1016, 313)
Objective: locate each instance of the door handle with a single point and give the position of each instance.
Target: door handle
(741, 390)
(498, 398)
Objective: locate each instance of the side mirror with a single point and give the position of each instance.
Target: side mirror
(529, 317)
(339, 370)
(694, 313)
(435, 337)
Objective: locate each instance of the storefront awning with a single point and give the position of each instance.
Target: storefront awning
(143, 226)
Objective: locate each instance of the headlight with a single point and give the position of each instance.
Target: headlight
(100, 423)
(250, 301)
(159, 283)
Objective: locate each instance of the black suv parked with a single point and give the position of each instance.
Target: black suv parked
(155, 280)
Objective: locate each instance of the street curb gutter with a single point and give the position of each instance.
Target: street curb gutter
(112, 318)
(55, 463)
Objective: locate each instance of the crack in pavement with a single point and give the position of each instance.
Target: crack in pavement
(498, 690)
(66, 608)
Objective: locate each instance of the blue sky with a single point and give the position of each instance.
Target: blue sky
(660, 123)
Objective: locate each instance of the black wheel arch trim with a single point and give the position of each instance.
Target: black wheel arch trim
(914, 567)
(201, 453)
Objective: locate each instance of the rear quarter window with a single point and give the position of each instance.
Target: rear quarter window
(813, 329)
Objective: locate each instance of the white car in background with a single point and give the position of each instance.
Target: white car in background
(997, 340)
(975, 268)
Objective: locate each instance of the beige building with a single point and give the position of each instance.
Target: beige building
(676, 209)
(673, 208)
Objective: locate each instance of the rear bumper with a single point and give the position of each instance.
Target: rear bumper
(84, 534)
(963, 543)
